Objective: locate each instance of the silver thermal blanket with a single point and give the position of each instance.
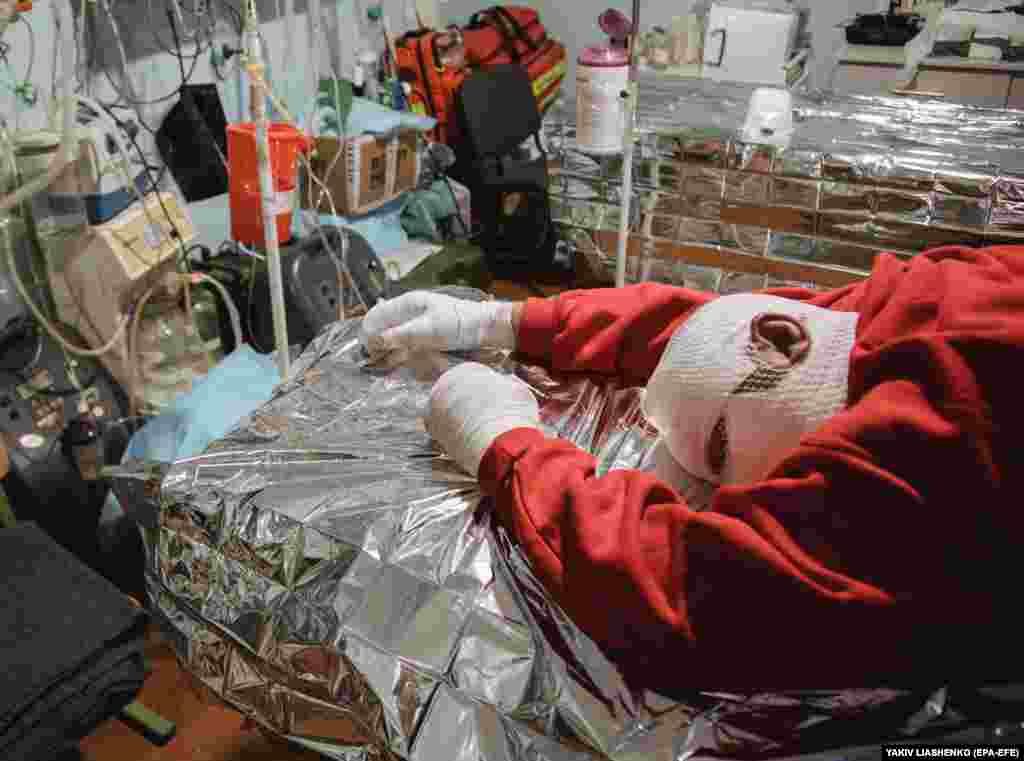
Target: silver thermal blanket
(860, 175)
(327, 571)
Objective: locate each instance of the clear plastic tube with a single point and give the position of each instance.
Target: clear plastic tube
(66, 154)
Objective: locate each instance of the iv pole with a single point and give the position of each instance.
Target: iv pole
(258, 111)
(629, 96)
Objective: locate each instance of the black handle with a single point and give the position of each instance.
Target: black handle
(516, 26)
(721, 50)
(499, 21)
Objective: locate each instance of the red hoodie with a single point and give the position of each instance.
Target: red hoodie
(881, 549)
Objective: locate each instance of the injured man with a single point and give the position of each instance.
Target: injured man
(865, 444)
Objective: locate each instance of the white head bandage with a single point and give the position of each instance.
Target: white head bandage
(710, 376)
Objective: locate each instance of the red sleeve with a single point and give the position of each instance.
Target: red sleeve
(887, 538)
(611, 331)
(817, 576)
(623, 331)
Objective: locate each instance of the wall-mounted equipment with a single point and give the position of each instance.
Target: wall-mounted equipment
(752, 45)
(100, 275)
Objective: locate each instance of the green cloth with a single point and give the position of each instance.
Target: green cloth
(456, 264)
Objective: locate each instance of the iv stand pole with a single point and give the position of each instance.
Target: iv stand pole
(258, 111)
(629, 107)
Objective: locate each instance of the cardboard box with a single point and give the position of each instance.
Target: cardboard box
(370, 171)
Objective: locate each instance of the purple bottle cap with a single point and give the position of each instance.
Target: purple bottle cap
(615, 24)
(618, 28)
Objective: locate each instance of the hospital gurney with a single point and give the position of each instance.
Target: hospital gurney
(325, 570)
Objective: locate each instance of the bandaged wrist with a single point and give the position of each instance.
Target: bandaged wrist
(497, 328)
(478, 441)
(471, 406)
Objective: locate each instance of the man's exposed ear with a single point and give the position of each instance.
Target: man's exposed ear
(779, 340)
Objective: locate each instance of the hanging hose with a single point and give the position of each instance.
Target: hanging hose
(48, 326)
(258, 105)
(171, 284)
(65, 155)
(627, 148)
(233, 314)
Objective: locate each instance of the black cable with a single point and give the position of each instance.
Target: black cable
(139, 102)
(153, 181)
(160, 41)
(248, 308)
(211, 268)
(239, 22)
(203, 250)
(458, 212)
(162, 99)
(177, 48)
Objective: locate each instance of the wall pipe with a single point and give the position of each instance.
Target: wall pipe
(258, 110)
(630, 97)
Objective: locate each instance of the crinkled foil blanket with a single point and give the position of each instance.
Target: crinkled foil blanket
(329, 573)
(860, 175)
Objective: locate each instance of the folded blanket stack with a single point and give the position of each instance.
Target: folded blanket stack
(71, 647)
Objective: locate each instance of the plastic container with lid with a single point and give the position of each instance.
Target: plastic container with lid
(244, 199)
(602, 76)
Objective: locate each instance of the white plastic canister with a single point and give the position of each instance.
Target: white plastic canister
(602, 75)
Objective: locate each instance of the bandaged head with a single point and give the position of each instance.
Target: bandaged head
(744, 378)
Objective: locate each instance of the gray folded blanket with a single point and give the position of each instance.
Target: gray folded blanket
(71, 647)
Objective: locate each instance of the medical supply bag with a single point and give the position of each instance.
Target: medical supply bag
(498, 35)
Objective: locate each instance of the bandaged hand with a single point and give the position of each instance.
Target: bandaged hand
(423, 320)
(471, 405)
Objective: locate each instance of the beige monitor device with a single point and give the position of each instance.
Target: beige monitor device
(109, 267)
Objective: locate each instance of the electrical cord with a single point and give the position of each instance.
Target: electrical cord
(153, 28)
(239, 23)
(31, 46)
(133, 99)
(57, 47)
(186, 76)
(154, 185)
(133, 353)
(78, 33)
(233, 314)
(101, 113)
(184, 80)
(210, 265)
(19, 284)
(54, 393)
(458, 212)
(185, 282)
(5, 49)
